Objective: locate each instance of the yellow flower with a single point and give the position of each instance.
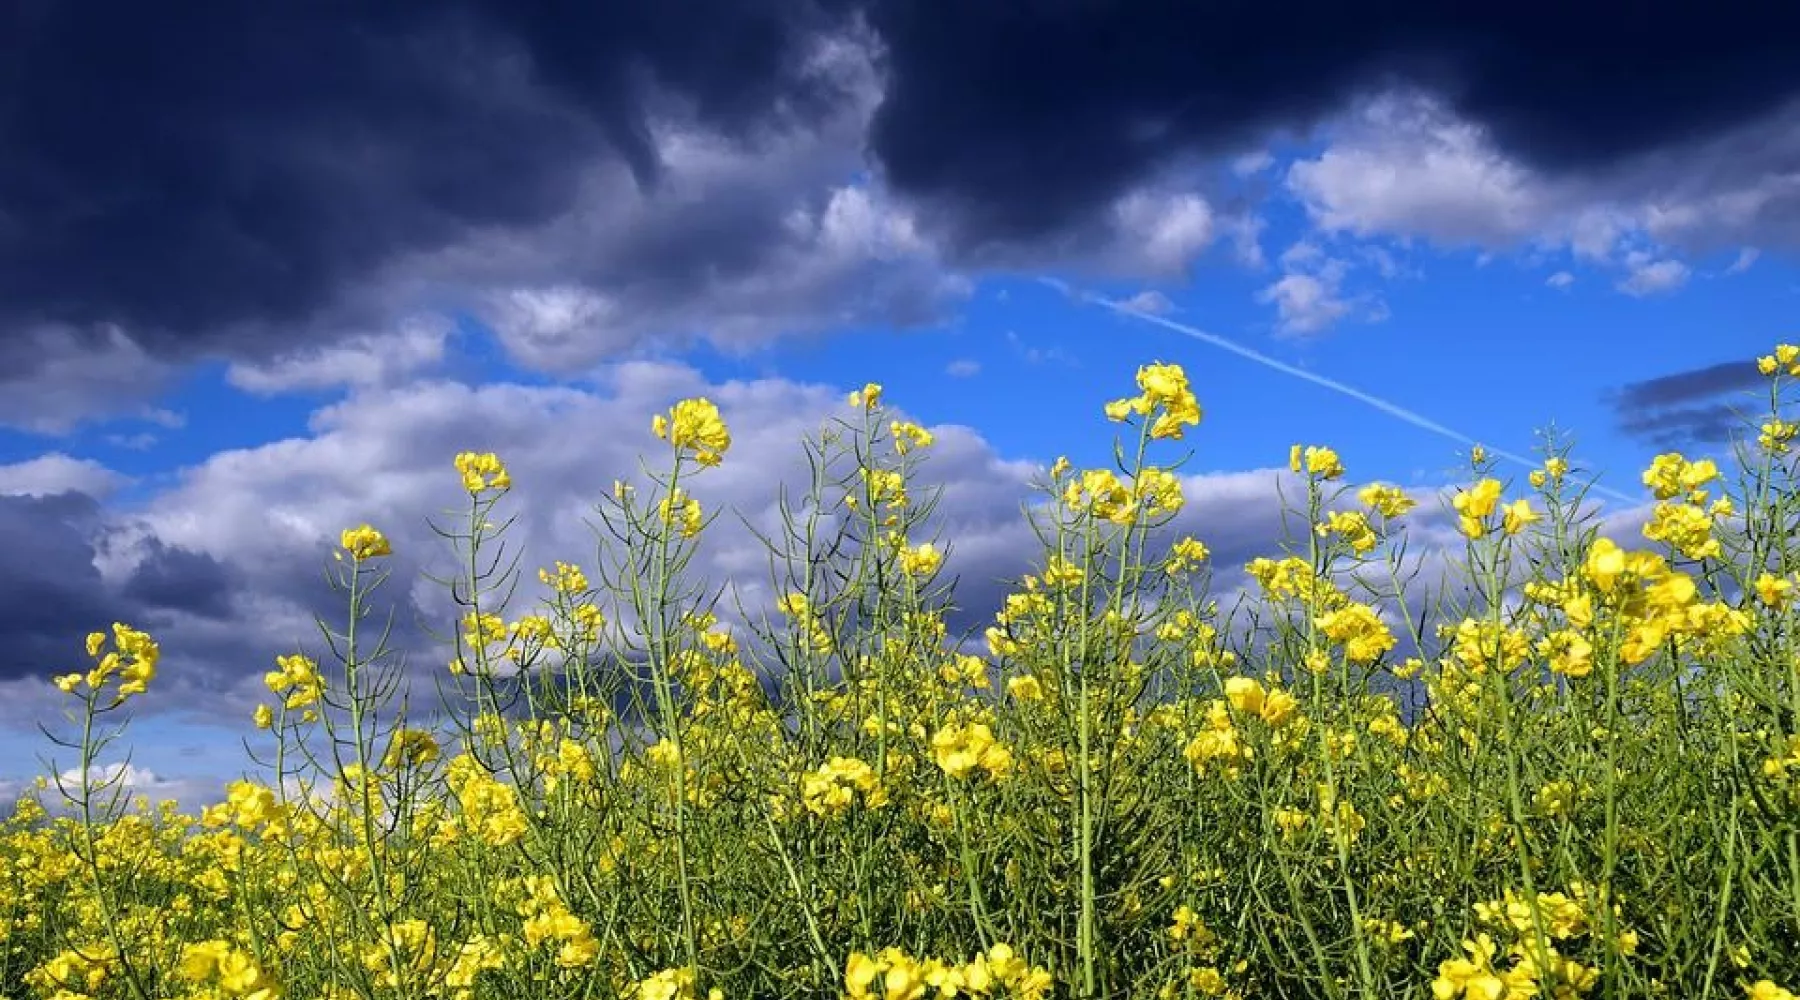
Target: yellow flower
(1165, 387)
(859, 974)
(694, 425)
(1568, 652)
(1776, 436)
(298, 673)
(1475, 505)
(1315, 461)
(134, 660)
(1604, 564)
(866, 398)
(1099, 492)
(410, 748)
(251, 804)
(1555, 468)
(1388, 501)
(959, 750)
(920, 560)
(1786, 356)
(200, 961)
(1472, 977)
(1162, 383)
(1686, 528)
(1185, 554)
(1516, 515)
(683, 512)
(566, 579)
(1478, 501)
(1671, 475)
(1060, 573)
(364, 542)
(909, 436)
(832, 789)
(1159, 490)
(1278, 707)
(1245, 694)
(483, 471)
(1774, 591)
(1359, 628)
(1025, 687)
(1352, 526)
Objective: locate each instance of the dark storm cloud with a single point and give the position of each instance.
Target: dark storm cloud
(52, 594)
(1022, 118)
(228, 176)
(191, 171)
(1688, 386)
(1701, 406)
(176, 578)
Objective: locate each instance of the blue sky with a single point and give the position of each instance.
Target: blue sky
(197, 407)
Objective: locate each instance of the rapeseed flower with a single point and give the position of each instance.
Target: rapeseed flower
(364, 543)
(482, 472)
(694, 425)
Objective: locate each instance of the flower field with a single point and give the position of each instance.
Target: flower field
(1548, 763)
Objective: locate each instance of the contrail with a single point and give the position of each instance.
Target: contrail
(1391, 409)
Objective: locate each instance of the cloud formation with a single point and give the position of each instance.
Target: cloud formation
(592, 180)
(1406, 164)
(1017, 123)
(56, 588)
(1702, 406)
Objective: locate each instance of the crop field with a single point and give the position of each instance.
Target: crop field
(1548, 763)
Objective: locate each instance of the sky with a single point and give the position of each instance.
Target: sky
(265, 269)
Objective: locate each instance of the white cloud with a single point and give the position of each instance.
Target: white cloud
(1031, 354)
(1251, 164)
(963, 368)
(544, 327)
(1386, 263)
(369, 359)
(1403, 166)
(1559, 280)
(1306, 303)
(141, 441)
(134, 781)
(58, 473)
(80, 375)
(1648, 275)
(736, 244)
(1246, 240)
(1150, 301)
(1309, 296)
(1745, 259)
(1160, 232)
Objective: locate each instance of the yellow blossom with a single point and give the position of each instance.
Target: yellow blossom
(866, 398)
(694, 425)
(482, 472)
(364, 542)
